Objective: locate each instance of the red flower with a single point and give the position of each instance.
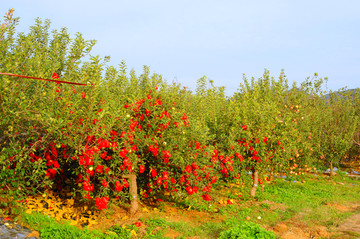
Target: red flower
(189, 190)
(141, 168)
(107, 170)
(153, 173)
(213, 179)
(83, 95)
(123, 153)
(101, 203)
(133, 125)
(126, 184)
(87, 196)
(51, 173)
(159, 181)
(182, 179)
(188, 168)
(165, 184)
(166, 156)
(165, 175)
(229, 201)
(55, 76)
(244, 127)
(91, 172)
(87, 186)
(99, 169)
(206, 197)
(239, 156)
(103, 155)
(138, 224)
(104, 183)
(103, 143)
(154, 149)
(184, 117)
(173, 180)
(118, 186)
(158, 102)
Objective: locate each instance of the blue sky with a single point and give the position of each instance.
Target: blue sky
(187, 39)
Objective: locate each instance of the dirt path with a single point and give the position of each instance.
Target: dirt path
(352, 224)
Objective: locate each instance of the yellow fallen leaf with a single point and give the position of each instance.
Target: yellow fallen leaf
(133, 233)
(73, 222)
(92, 222)
(124, 218)
(29, 211)
(70, 201)
(145, 209)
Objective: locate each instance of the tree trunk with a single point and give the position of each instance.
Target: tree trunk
(331, 169)
(271, 177)
(134, 202)
(255, 183)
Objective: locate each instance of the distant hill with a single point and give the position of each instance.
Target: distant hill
(339, 93)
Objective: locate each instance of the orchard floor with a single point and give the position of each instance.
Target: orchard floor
(307, 206)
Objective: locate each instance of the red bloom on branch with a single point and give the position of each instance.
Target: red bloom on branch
(184, 117)
(153, 173)
(51, 173)
(142, 168)
(154, 149)
(188, 168)
(165, 184)
(55, 76)
(132, 126)
(104, 183)
(103, 155)
(166, 156)
(126, 184)
(101, 203)
(165, 175)
(189, 190)
(206, 197)
(118, 186)
(239, 156)
(158, 102)
(123, 153)
(87, 186)
(159, 181)
(99, 169)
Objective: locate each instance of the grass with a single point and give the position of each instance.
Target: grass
(306, 204)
